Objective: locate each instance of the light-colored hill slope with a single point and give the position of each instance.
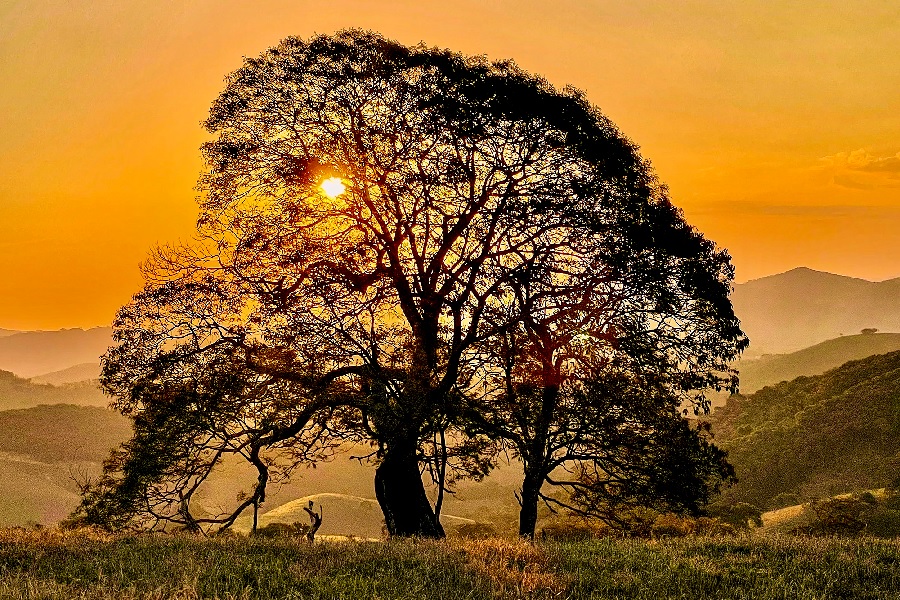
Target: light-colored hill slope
(44, 450)
(802, 307)
(815, 360)
(84, 372)
(32, 353)
(36, 492)
(342, 515)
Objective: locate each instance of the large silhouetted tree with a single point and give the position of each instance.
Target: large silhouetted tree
(476, 203)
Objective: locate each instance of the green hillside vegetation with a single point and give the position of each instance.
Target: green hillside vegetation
(16, 392)
(815, 360)
(815, 436)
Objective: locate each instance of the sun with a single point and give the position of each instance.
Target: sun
(333, 187)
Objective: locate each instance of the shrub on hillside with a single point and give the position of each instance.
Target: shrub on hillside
(739, 515)
(475, 530)
(836, 516)
(783, 500)
(575, 529)
(671, 525)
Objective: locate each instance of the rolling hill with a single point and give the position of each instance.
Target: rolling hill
(815, 360)
(815, 436)
(74, 374)
(802, 307)
(342, 515)
(16, 392)
(44, 450)
(33, 353)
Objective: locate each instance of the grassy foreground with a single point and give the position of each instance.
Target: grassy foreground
(51, 564)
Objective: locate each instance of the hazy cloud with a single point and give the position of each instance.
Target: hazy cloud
(748, 207)
(849, 182)
(860, 170)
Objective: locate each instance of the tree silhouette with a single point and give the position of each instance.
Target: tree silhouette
(467, 203)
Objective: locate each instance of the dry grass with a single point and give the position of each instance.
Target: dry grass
(517, 568)
(51, 565)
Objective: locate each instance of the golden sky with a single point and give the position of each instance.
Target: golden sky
(775, 124)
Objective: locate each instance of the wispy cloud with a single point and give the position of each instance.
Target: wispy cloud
(861, 170)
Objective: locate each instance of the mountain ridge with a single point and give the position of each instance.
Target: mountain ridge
(770, 369)
(35, 353)
(789, 311)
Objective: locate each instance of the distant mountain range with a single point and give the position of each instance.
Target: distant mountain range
(35, 353)
(799, 308)
(781, 313)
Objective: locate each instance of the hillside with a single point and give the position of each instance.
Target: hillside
(802, 307)
(32, 353)
(815, 360)
(43, 450)
(16, 392)
(815, 436)
(74, 374)
(62, 433)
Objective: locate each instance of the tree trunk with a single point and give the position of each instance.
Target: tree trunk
(535, 455)
(401, 494)
(531, 487)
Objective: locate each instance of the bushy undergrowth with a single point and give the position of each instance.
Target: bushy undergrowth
(83, 564)
(856, 514)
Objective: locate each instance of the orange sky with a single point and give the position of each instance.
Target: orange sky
(777, 128)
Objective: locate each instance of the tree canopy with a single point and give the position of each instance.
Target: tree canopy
(497, 267)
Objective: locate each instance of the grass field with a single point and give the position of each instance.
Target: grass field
(54, 565)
